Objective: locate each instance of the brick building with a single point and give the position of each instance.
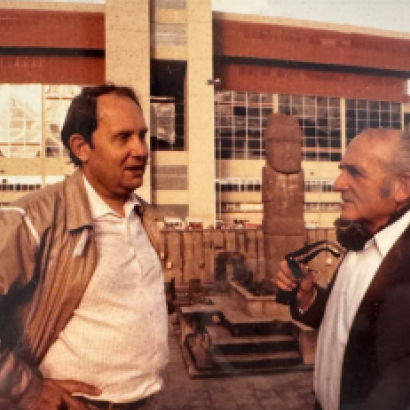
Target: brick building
(207, 81)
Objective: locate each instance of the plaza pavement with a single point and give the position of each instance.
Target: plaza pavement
(274, 391)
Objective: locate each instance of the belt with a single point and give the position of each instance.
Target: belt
(108, 405)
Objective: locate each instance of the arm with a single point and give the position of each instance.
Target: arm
(310, 302)
(21, 386)
(18, 246)
(312, 316)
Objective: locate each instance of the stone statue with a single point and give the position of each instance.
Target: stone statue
(282, 190)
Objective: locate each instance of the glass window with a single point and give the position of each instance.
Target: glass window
(21, 183)
(57, 100)
(319, 185)
(167, 124)
(240, 119)
(319, 118)
(238, 185)
(20, 120)
(227, 207)
(362, 114)
(322, 206)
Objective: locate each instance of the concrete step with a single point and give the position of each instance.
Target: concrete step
(228, 369)
(221, 336)
(219, 354)
(242, 329)
(258, 360)
(224, 343)
(207, 357)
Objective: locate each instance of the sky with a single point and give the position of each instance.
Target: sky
(380, 14)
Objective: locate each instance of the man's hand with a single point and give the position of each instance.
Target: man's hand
(57, 395)
(287, 282)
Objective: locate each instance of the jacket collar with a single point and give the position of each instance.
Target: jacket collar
(79, 211)
(392, 271)
(78, 208)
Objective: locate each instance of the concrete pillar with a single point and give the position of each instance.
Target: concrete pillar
(200, 112)
(127, 60)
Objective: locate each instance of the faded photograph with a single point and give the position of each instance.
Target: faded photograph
(204, 205)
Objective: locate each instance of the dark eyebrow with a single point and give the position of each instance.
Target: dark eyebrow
(351, 169)
(143, 132)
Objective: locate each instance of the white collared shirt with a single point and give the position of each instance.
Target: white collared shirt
(355, 275)
(117, 337)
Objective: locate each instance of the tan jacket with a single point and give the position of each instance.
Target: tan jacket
(48, 236)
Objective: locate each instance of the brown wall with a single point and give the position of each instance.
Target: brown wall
(43, 28)
(56, 31)
(247, 77)
(347, 64)
(51, 70)
(38, 40)
(236, 38)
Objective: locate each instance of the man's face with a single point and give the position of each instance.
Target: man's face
(366, 185)
(116, 164)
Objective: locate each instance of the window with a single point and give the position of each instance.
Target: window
(240, 119)
(238, 185)
(167, 124)
(227, 207)
(22, 116)
(20, 120)
(322, 206)
(57, 99)
(362, 114)
(319, 118)
(20, 183)
(313, 185)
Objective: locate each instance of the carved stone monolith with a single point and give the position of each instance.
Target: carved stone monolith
(282, 190)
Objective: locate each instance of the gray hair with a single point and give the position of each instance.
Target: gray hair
(399, 163)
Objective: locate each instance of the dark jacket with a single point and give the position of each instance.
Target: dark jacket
(376, 365)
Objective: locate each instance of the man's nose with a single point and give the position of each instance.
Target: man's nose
(340, 184)
(139, 147)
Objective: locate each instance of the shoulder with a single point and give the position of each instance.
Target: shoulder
(149, 211)
(150, 216)
(54, 199)
(33, 213)
(41, 196)
(43, 202)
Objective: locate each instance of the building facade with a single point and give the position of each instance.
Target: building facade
(207, 83)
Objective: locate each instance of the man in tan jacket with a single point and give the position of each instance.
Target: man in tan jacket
(82, 308)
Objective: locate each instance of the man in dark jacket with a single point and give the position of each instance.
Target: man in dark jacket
(363, 350)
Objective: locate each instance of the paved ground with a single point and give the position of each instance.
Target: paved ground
(280, 391)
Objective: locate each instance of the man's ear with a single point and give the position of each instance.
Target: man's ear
(402, 192)
(79, 147)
